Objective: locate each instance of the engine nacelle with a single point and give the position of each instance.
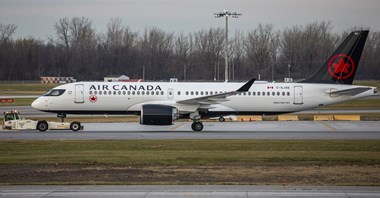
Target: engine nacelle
(155, 114)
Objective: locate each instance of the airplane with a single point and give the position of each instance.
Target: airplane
(160, 103)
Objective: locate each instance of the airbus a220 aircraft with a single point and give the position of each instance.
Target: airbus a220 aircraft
(159, 103)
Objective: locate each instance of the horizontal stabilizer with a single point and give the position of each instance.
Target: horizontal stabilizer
(349, 92)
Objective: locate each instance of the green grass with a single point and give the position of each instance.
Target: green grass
(190, 152)
(372, 83)
(25, 89)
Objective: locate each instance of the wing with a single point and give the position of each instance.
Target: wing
(191, 105)
(217, 98)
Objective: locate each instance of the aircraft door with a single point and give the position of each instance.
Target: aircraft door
(170, 93)
(298, 95)
(79, 93)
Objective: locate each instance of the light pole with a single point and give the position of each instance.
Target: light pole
(226, 14)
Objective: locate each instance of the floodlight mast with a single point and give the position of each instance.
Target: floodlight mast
(226, 14)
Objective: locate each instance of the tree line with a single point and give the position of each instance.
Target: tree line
(78, 50)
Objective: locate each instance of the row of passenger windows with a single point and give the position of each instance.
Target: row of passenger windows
(253, 93)
(192, 93)
(127, 92)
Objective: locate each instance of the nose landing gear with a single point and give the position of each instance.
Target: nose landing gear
(61, 115)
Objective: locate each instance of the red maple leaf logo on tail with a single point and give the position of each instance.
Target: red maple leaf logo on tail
(341, 66)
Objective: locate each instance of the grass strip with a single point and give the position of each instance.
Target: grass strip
(190, 152)
(240, 162)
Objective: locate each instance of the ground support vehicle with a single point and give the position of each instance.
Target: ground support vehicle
(13, 121)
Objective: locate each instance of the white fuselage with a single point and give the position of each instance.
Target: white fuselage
(128, 97)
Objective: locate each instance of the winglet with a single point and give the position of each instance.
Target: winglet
(246, 86)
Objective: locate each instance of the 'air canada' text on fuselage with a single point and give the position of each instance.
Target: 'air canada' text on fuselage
(126, 87)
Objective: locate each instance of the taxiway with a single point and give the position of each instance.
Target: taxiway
(187, 191)
(213, 130)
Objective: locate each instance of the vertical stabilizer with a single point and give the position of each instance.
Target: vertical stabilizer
(341, 67)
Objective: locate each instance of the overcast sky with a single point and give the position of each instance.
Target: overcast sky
(37, 17)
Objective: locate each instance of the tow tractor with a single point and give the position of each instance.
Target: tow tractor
(13, 121)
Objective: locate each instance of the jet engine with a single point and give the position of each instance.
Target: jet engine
(155, 114)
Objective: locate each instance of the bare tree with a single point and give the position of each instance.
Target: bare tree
(183, 48)
(261, 46)
(208, 46)
(6, 32)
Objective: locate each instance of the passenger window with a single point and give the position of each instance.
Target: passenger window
(105, 92)
(179, 93)
(162, 92)
(253, 93)
(95, 92)
(109, 92)
(201, 93)
(263, 93)
(138, 92)
(258, 93)
(187, 93)
(278, 93)
(192, 93)
(133, 92)
(288, 93)
(283, 93)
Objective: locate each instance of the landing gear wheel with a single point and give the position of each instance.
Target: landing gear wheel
(197, 126)
(61, 115)
(221, 119)
(75, 126)
(42, 126)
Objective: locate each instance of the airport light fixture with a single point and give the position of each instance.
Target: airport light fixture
(226, 13)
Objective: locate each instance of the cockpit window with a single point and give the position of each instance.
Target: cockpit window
(55, 92)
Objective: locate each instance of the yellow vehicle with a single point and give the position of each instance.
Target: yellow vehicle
(13, 121)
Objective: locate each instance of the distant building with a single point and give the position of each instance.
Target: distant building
(57, 80)
(120, 78)
(115, 78)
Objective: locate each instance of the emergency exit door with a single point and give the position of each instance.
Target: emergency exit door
(298, 95)
(79, 93)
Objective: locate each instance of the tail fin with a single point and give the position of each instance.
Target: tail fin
(341, 67)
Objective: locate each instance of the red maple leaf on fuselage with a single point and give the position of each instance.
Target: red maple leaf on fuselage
(341, 66)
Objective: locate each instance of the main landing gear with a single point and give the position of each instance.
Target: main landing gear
(197, 124)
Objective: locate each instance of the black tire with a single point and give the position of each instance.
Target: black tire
(75, 126)
(42, 126)
(197, 126)
(221, 119)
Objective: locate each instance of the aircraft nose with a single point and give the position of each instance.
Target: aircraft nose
(37, 104)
